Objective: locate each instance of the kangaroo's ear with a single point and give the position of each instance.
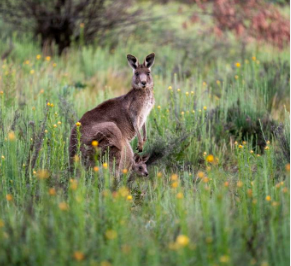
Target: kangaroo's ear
(149, 61)
(132, 61)
(145, 158)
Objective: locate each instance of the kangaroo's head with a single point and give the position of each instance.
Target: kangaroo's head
(142, 77)
(139, 165)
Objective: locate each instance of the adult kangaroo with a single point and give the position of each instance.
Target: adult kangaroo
(128, 112)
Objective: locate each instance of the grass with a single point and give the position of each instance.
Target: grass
(215, 198)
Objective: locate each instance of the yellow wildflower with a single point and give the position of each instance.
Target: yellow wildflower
(224, 259)
(205, 179)
(180, 195)
(74, 184)
(32, 71)
(275, 203)
(95, 143)
(170, 88)
(129, 198)
(96, 169)
(182, 240)
(63, 206)
(38, 57)
(48, 58)
(285, 190)
(52, 191)
(175, 184)
(237, 64)
(9, 197)
(76, 158)
(210, 158)
(268, 198)
(254, 58)
(105, 165)
(11, 136)
(42, 174)
(78, 124)
(226, 184)
(123, 192)
(174, 177)
(111, 234)
(200, 174)
(78, 256)
(159, 174)
(239, 184)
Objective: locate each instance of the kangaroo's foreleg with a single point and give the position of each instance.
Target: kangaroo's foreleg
(144, 131)
(140, 141)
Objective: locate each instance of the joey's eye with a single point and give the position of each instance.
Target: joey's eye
(137, 74)
(140, 168)
(148, 73)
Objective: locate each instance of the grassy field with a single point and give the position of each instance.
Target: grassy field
(217, 195)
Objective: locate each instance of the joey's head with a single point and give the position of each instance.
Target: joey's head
(139, 165)
(142, 76)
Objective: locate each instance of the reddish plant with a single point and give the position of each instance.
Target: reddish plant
(250, 19)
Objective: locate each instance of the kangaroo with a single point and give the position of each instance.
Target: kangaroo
(128, 112)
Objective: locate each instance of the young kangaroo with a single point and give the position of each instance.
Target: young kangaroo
(128, 112)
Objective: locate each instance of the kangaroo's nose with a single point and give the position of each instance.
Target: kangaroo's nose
(146, 173)
(143, 82)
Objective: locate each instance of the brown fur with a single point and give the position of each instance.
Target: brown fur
(117, 121)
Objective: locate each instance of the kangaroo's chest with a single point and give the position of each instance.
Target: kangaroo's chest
(145, 110)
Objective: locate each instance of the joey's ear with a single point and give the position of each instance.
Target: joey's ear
(149, 60)
(132, 61)
(136, 158)
(145, 158)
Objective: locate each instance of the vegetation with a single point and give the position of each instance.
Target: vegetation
(219, 139)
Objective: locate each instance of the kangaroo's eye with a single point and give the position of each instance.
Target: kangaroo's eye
(148, 73)
(140, 168)
(137, 74)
